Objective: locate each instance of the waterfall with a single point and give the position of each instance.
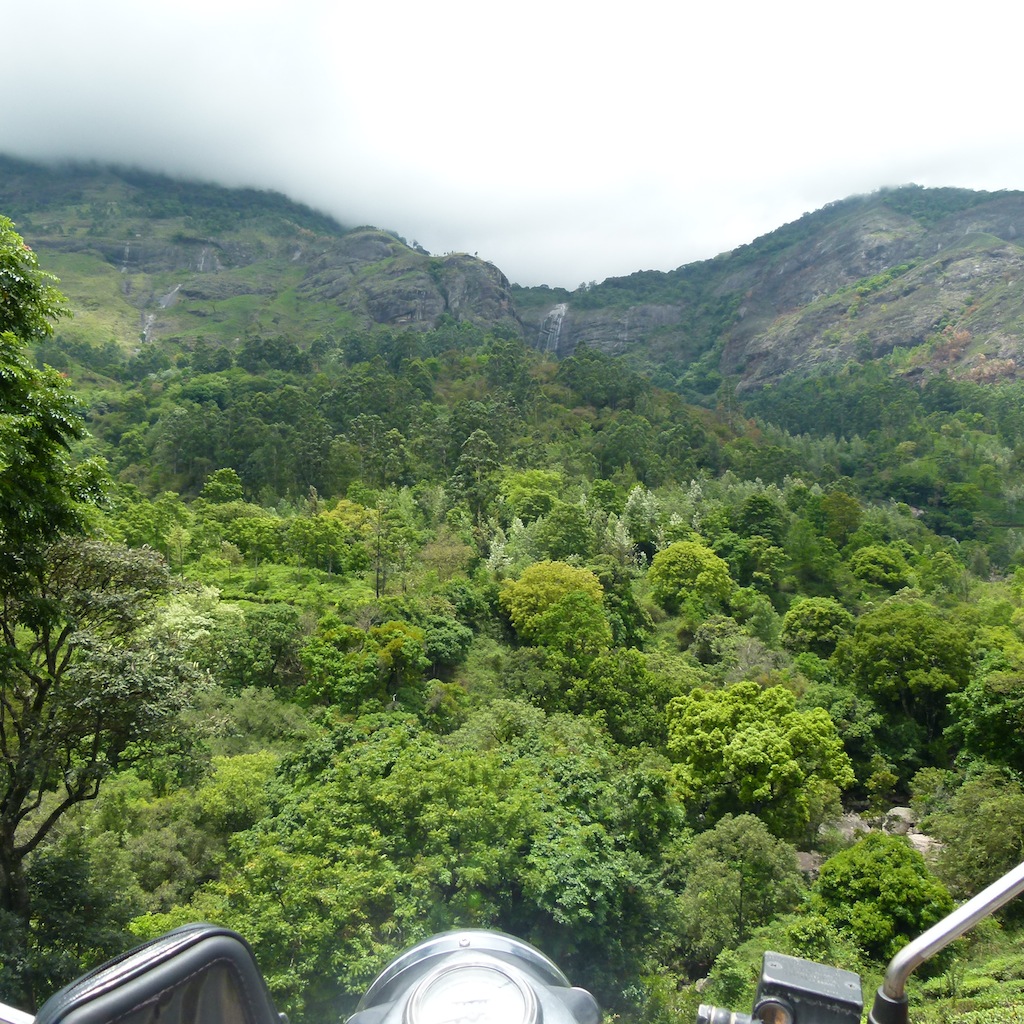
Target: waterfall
(551, 328)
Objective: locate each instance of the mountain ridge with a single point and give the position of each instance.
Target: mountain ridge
(833, 287)
(930, 280)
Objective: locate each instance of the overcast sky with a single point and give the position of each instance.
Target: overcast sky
(563, 141)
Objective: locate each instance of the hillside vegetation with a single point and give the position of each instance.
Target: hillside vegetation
(421, 627)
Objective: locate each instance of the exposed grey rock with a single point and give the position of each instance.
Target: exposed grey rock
(853, 282)
(927, 846)
(899, 821)
(376, 276)
(851, 825)
(614, 332)
(810, 864)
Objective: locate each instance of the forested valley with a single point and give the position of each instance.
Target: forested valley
(343, 639)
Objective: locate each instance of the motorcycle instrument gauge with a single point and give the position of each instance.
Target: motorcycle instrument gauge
(472, 992)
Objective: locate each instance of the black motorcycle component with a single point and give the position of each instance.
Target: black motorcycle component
(795, 991)
(198, 974)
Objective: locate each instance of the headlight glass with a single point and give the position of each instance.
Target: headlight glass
(473, 992)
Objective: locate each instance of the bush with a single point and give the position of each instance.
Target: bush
(882, 893)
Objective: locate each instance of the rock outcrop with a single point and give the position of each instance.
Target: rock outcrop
(939, 276)
(933, 277)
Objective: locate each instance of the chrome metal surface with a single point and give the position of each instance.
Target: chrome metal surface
(949, 928)
(9, 1015)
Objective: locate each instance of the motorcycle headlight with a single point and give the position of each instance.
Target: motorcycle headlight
(472, 992)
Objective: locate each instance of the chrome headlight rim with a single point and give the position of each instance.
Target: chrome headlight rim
(415, 962)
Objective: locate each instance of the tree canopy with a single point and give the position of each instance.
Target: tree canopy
(689, 573)
(42, 493)
(881, 891)
(745, 750)
(90, 679)
(581, 650)
(540, 587)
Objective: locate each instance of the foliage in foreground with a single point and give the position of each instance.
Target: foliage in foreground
(491, 641)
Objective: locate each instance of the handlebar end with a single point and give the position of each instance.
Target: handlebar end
(887, 1010)
(716, 1015)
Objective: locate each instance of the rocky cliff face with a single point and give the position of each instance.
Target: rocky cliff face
(934, 279)
(380, 279)
(197, 260)
(615, 331)
(938, 279)
(951, 296)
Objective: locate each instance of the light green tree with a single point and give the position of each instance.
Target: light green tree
(880, 565)
(743, 749)
(575, 627)
(688, 573)
(541, 586)
(222, 485)
(642, 519)
(258, 537)
(532, 492)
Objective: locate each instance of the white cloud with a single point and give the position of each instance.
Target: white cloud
(562, 140)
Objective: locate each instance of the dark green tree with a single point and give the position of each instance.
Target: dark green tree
(600, 379)
(761, 516)
(566, 531)
(908, 658)
(475, 473)
(90, 681)
(981, 827)
(737, 877)
(841, 516)
(881, 892)
(987, 716)
(385, 834)
(629, 699)
(816, 624)
(42, 493)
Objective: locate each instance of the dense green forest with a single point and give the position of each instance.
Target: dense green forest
(343, 640)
